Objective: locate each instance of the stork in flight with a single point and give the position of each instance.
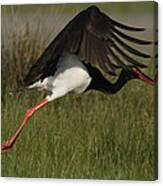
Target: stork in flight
(90, 46)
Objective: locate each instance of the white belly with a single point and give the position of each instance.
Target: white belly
(71, 76)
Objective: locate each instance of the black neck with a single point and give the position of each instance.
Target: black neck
(115, 87)
(100, 83)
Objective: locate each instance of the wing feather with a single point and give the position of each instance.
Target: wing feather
(82, 55)
(118, 60)
(130, 49)
(94, 53)
(92, 36)
(125, 27)
(129, 38)
(127, 57)
(74, 44)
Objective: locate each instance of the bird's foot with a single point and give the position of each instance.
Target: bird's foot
(6, 145)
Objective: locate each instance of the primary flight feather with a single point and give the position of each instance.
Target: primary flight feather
(92, 36)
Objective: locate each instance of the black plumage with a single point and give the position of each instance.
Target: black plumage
(96, 39)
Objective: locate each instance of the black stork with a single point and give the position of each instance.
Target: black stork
(90, 46)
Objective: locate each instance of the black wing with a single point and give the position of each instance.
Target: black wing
(96, 39)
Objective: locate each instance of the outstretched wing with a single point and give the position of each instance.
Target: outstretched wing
(96, 39)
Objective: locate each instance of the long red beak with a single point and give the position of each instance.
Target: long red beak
(143, 77)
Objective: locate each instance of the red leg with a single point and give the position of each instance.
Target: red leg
(9, 143)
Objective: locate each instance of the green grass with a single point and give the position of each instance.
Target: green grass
(92, 135)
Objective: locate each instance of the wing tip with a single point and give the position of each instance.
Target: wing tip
(126, 27)
(93, 8)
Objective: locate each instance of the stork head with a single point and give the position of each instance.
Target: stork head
(135, 73)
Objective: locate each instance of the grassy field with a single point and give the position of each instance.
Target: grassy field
(93, 135)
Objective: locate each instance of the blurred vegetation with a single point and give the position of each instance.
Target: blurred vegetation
(88, 136)
(67, 8)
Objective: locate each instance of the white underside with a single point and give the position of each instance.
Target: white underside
(71, 76)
